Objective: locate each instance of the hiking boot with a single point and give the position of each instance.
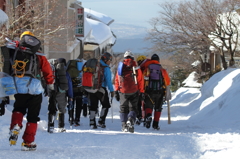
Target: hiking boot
(148, 122)
(29, 146)
(50, 129)
(13, 135)
(130, 125)
(62, 130)
(77, 123)
(71, 122)
(138, 121)
(101, 124)
(124, 127)
(94, 126)
(155, 125)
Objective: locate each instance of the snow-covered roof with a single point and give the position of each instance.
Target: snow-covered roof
(96, 28)
(97, 32)
(91, 14)
(3, 17)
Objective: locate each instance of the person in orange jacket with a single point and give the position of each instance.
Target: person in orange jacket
(29, 104)
(156, 81)
(129, 87)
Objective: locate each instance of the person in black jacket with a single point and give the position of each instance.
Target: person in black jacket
(58, 100)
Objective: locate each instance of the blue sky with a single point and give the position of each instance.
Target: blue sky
(137, 12)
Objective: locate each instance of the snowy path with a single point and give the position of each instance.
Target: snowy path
(179, 140)
(205, 125)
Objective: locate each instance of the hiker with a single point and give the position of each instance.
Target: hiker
(58, 96)
(4, 102)
(85, 105)
(74, 68)
(28, 102)
(102, 94)
(128, 88)
(141, 61)
(157, 80)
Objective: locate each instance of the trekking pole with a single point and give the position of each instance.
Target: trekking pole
(151, 100)
(143, 110)
(167, 98)
(169, 117)
(111, 107)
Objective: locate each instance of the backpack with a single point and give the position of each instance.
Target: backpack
(23, 68)
(61, 75)
(59, 72)
(156, 81)
(93, 75)
(31, 42)
(74, 68)
(127, 78)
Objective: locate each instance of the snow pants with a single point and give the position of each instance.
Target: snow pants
(57, 101)
(153, 101)
(128, 106)
(93, 105)
(77, 105)
(30, 104)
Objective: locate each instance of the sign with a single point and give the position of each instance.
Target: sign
(206, 67)
(79, 22)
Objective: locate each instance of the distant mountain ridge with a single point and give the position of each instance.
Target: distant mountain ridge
(135, 45)
(130, 37)
(127, 31)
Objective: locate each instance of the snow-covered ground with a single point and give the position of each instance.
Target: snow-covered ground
(205, 125)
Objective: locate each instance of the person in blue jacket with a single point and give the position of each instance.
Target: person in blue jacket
(102, 97)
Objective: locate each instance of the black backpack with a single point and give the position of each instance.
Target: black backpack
(61, 76)
(59, 72)
(31, 42)
(23, 64)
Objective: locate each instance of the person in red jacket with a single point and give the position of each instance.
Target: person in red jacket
(29, 104)
(156, 81)
(128, 87)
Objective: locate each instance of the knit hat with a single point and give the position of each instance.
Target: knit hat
(106, 57)
(62, 60)
(155, 57)
(128, 53)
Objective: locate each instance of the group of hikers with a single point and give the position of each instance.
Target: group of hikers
(78, 85)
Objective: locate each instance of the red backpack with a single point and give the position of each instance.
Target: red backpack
(127, 77)
(93, 75)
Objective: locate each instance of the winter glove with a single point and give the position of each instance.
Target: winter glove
(117, 95)
(2, 105)
(2, 109)
(70, 105)
(51, 87)
(112, 94)
(142, 96)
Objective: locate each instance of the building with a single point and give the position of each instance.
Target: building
(87, 34)
(96, 36)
